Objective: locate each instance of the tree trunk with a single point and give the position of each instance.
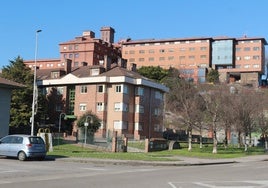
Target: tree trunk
(190, 140)
(245, 143)
(215, 142)
(265, 142)
(200, 139)
(225, 142)
(239, 139)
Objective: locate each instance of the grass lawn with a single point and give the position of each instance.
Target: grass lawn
(73, 150)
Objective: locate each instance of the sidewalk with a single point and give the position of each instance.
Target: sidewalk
(178, 161)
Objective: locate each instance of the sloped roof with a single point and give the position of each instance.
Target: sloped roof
(119, 71)
(4, 83)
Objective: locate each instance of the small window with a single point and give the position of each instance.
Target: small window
(139, 91)
(118, 89)
(100, 88)
(100, 106)
(82, 107)
(83, 89)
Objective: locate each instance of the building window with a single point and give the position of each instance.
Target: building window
(141, 59)
(76, 55)
(141, 51)
(161, 58)
(256, 57)
(70, 56)
(151, 59)
(70, 47)
(121, 88)
(139, 109)
(203, 56)
(247, 57)
(256, 48)
(139, 126)
(238, 58)
(83, 89)
(55, 74)
(238, 49)
(192, 49)
(191, 57)
(162, 50)
(170, 58)
(181, 57)
(171, 50)
(256, 66)
(203, 48)
(100, 89)
(157, 111)
(151, 51)
(76, 64)
(182, 49)
(76, 46)
(131, 52)
(246, 66)
(100, 106)
(121, 125)
(118, 89)
(139, 91)
(60, 90)
(247, 49)
(118, 106)
(158, 95)
(82, 107)
(158, 128)
(58, 108)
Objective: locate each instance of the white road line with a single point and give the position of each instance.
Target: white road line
(171, 185)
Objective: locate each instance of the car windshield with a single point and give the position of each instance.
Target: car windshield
(36, 140)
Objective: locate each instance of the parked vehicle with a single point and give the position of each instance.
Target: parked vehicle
(23, 147)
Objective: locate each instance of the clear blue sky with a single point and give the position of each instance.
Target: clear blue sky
(62, 20)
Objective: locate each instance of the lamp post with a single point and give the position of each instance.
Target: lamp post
(35, 96)
(61, 114)
(86, 125)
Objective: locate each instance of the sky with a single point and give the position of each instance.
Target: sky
(63, 20)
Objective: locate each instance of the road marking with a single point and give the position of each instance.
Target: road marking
(97, 169)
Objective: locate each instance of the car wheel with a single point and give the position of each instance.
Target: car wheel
(22, 156)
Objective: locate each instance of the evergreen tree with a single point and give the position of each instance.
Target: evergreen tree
(21, 99)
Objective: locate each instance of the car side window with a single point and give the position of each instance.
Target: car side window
(6, 140)
(18, 140)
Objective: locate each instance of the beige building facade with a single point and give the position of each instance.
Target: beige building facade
(233, 57)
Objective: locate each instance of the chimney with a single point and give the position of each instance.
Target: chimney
(107, 34)
(68, 66)
(84, 63)
(90, 34)
(133, 67)
(107, 63)
(122, 63)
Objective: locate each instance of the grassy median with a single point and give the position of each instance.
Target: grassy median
(76, 150)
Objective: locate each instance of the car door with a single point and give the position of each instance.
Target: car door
(4, 146)
(15, 145)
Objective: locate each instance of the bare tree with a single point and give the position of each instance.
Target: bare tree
(245, 109)
(185, 100)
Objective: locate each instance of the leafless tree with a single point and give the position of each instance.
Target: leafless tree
(185, 100)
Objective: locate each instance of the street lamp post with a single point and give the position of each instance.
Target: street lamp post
(86, 125)
(34, 103)
(61, 114)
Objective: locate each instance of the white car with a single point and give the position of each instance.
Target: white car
(23, 147)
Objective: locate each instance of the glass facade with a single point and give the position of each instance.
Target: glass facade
(222, 52)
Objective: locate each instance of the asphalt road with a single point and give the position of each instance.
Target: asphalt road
(70, 174)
